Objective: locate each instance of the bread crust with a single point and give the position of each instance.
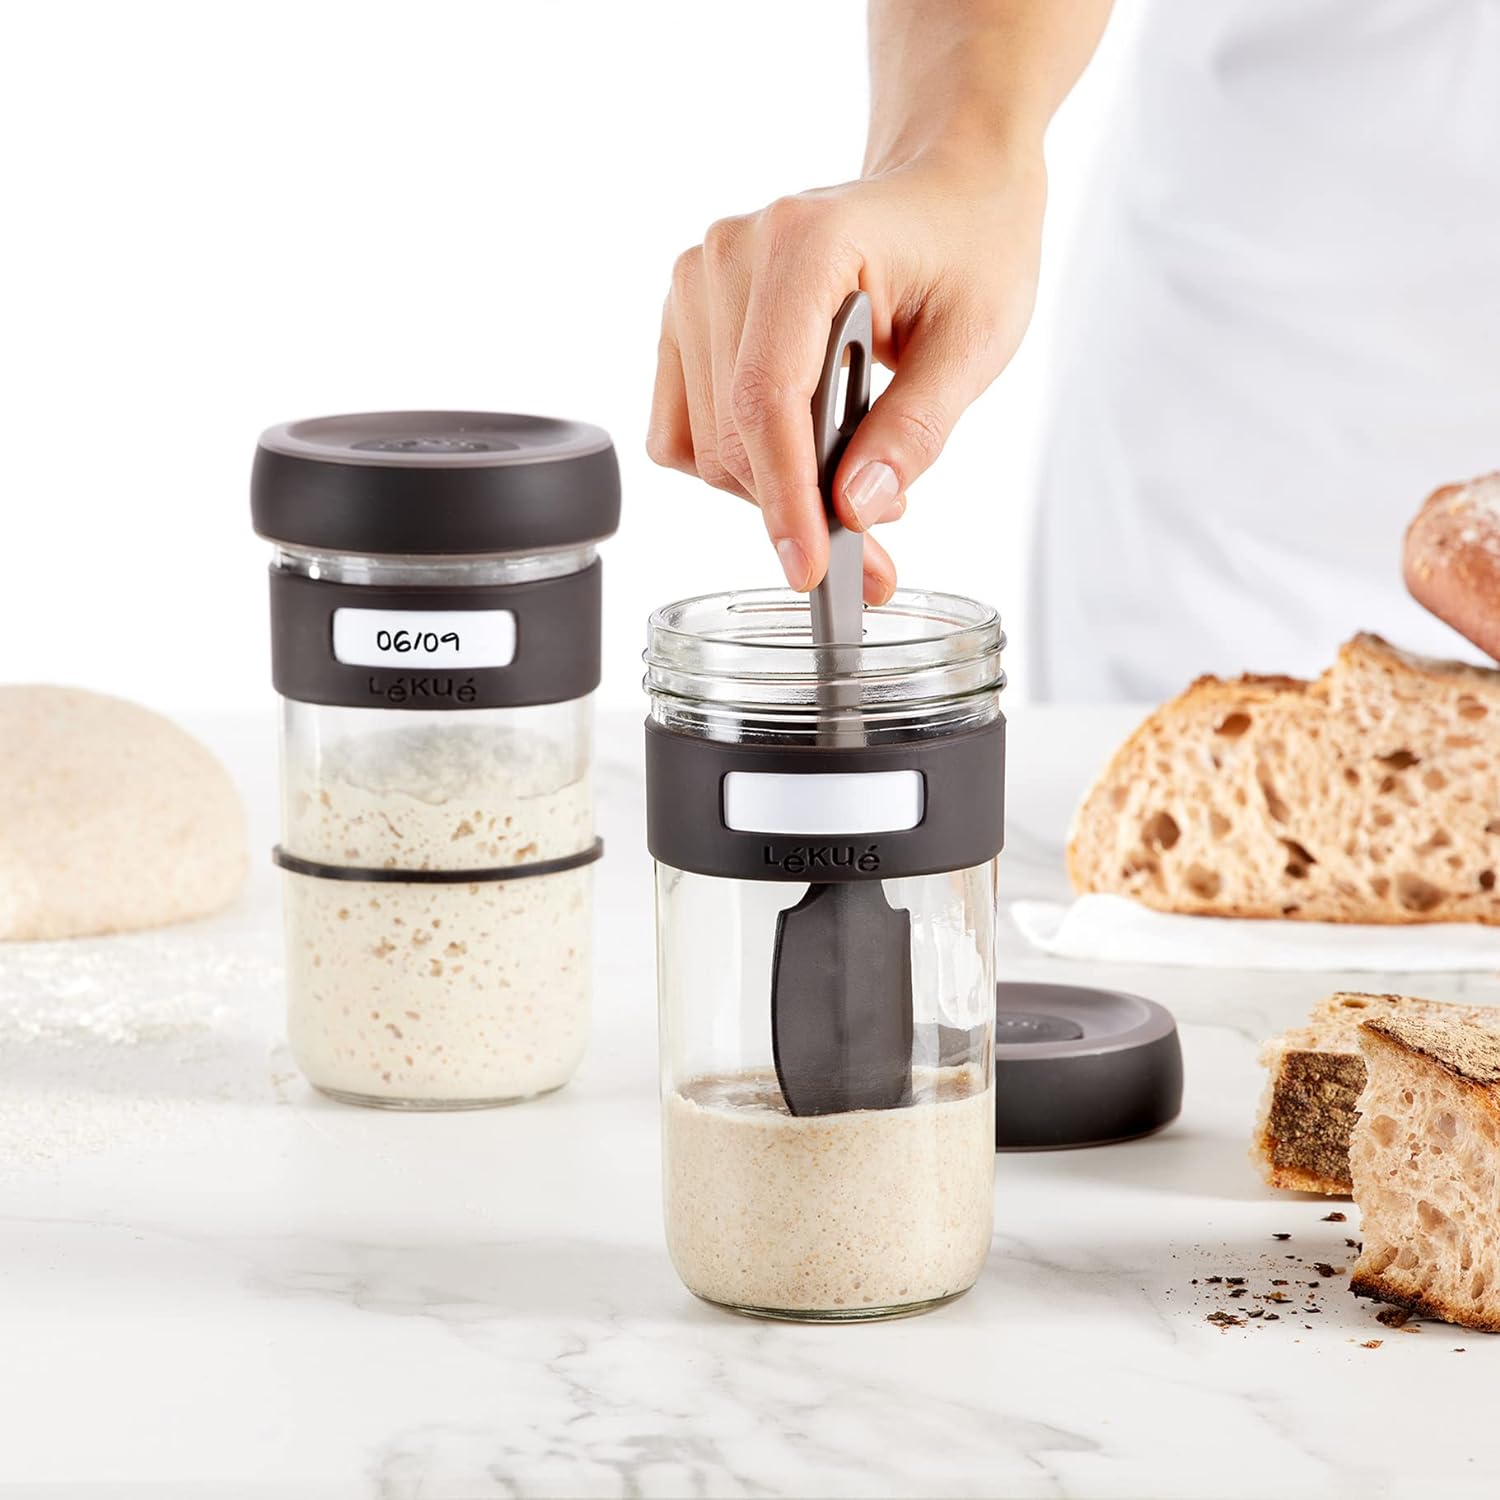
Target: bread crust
(1270, 796)
(1380, 1289)
(1293, 1180)
(1451, 559)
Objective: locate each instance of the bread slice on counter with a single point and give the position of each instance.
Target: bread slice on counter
(1369, 795)
(1425, 1157)
(1451, 559)
(1315, 1075)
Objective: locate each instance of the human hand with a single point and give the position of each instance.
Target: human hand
(948, 255)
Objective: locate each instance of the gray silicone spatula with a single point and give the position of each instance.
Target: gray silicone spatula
(841, 1005)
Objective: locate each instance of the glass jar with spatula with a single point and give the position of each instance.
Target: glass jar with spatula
(825, 808)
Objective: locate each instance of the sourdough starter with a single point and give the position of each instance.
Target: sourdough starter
(466, 993)
(869, 1210)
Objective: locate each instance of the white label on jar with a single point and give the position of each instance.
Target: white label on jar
(829, 802)
(459, 638)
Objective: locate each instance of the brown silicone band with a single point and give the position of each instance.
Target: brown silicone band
(319, 871)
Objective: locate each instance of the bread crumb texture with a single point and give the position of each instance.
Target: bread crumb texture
(1314, 1077)
(1425, 1160)
(1366, 796)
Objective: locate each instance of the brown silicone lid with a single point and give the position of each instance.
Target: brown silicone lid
(435, 482)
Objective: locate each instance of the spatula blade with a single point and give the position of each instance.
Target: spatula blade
(841, 1001)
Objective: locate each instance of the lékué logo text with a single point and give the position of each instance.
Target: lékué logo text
(802, 859)
(402, 689)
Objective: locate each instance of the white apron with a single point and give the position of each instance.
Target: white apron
(1280, 332)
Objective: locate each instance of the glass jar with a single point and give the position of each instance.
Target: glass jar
(755, 794)
(435, 641)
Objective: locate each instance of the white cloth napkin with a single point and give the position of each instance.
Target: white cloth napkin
(1116, 929)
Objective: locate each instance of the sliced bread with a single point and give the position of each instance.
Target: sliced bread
(1425, 1158)
(1366, 796)
(1314, 1077)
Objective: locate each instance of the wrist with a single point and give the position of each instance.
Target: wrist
(977, 160)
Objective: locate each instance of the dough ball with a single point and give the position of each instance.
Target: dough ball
(111, 818)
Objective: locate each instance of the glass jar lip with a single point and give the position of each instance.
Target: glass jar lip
(300, 553)
(433, 570)
(963, 627)
(744, 665)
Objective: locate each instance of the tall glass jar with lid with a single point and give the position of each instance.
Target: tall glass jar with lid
(435, 598)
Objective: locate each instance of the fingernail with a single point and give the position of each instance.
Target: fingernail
(793, 562)
(873, 494)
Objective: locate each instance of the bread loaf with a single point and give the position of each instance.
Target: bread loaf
(1425, 1158)
(1452, 559)
(1369, 795)
(1315, 1075)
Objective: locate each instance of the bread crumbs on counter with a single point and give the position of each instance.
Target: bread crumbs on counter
(1293, 1290)
(1372, 1343)
(1335, 1218)
(1393, 1317)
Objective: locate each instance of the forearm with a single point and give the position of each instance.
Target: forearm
(972, 78)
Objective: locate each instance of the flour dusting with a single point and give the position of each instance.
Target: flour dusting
(116, 1041)
(1477, 504)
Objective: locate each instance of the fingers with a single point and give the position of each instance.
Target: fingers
(948, 358)
(690, 305)
(725, 255)
(683, 428)
(797, 282)
(669, 439)
(880, 573)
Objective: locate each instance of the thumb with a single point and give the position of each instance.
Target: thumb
(941, 369)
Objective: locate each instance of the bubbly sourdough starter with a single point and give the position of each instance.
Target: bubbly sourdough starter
(833, 1214)
(425, 993)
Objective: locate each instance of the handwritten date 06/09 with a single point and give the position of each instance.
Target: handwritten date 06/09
(404, 641)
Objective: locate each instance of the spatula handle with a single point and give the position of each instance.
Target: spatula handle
(838, 602)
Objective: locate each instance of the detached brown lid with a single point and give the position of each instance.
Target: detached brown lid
(1077, 1066)
(429, 482)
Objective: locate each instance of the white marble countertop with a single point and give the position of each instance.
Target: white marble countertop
(215, 1283)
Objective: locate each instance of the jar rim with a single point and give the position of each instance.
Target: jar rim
(743, 664)
(960, 622)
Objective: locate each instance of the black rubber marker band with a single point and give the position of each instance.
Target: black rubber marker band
(299, 866)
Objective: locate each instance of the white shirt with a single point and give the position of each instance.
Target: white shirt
(1281, 331)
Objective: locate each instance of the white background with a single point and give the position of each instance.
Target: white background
(219, 217)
